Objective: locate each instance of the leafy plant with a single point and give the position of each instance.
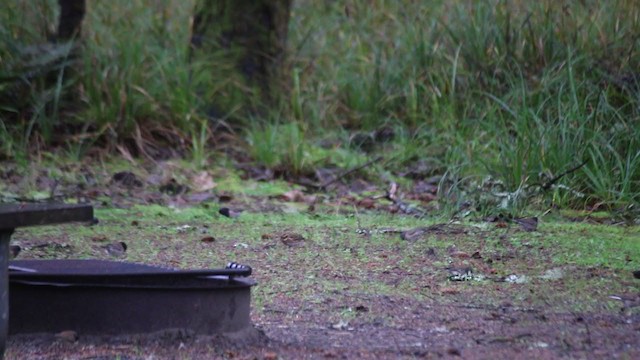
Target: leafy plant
(280, 146)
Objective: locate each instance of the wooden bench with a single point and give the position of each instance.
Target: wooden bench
(13, 216)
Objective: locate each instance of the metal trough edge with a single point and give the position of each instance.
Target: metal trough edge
(143, 302)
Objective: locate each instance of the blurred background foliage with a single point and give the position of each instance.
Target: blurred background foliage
(509, 95)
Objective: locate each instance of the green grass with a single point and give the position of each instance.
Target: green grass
(280, 146)
(594, 245)
(335, 257)
(507, 93)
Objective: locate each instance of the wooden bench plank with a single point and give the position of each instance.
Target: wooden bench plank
(19, 215)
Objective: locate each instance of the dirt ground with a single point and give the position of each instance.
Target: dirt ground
(352, 290)
(402, 329)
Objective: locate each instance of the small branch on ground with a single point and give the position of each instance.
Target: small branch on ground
(322, 187)
(349, 172)
(547, 185)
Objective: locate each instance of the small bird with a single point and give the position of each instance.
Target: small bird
(292, 239)
(527, 224)
(14, 250)
(636, 274)
(229, 212)
(116, 249)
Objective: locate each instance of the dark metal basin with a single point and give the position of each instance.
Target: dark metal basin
(109, 297)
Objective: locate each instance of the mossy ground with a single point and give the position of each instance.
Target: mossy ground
(354, 281)
(356, 251)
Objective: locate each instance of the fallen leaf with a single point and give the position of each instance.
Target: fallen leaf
(330, 354)
(293, 196)
(126, 154)
(367, 203)
(200, 197)
(426, 197)
(67, 336)
(202, 181)
(460, 255)
(449, 291)
(516, 279)
(540, 344)
(208, 239)
(341, 325)
(270, 355)
(296, 196)
(392, 192)
(553, 274)
(183, 229)
(259, 173)
(358, 186)
(100, 238)
(177, 201)
(454, 352)
(225, 198)
(440, 330)
(413, 234)
(422, 187)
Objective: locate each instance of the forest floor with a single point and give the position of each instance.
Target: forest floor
(351, 272)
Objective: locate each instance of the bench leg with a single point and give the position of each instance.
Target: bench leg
(5, 236)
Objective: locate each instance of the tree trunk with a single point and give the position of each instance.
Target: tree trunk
(69, 28)
(70, 21)
(244, 45)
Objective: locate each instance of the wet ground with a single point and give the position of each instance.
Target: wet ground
(356, 274)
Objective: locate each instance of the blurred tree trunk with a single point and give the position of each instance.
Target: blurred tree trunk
(70, 21)
(243, 44)
(63, 68)
(69, 28)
